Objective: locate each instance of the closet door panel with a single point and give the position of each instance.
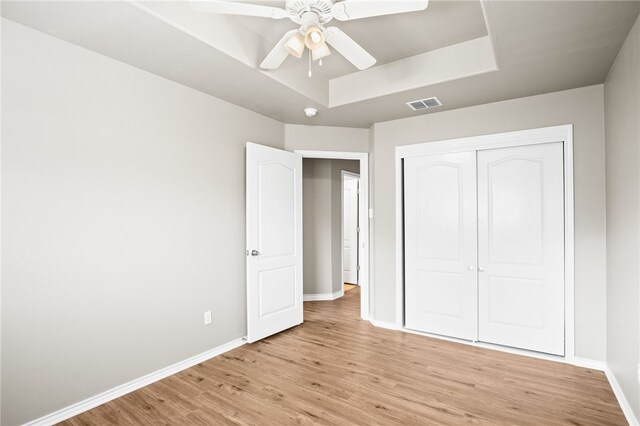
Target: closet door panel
(440, 244)
(521, 247)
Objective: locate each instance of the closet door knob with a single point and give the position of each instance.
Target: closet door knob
(471, 268)
(480, 269)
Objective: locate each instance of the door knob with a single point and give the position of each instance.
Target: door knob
(254, 253)
(470, 268)
(480, 269)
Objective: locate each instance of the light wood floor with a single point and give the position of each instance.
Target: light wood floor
(348, 287)
(337, 369)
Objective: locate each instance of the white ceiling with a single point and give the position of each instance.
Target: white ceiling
(539, 47)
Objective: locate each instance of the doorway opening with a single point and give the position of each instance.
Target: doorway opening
(336, 229)
(350, 230)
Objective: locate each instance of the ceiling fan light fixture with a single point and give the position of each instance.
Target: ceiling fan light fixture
(320, 52)
(313, 37)
(312, 16)
(295, 45)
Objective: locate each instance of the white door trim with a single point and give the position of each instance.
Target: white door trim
(363, 208)
(500, 140)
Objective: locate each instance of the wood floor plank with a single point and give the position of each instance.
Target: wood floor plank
(336, 369)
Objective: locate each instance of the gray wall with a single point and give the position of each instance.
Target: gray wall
(622, 122)
(123, 215)
(316, 219)
(324, 138)
(123, 221)
(581, 107)
(322, 219)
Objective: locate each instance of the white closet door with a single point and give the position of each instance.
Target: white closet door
(440, 244)
(521, 247)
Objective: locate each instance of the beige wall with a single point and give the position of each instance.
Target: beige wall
(322, 219)
(581, 107)
(123, 221)
(622, 122)
(323, 138)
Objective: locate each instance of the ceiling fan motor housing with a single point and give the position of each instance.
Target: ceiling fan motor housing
(307, 12)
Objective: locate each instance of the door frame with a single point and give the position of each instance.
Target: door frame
(344, 173)
(562, 134)
(363, 212)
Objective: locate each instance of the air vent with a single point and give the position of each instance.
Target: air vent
(424, 104)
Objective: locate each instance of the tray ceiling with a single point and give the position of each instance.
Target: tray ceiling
(387, 38)
(464, 52)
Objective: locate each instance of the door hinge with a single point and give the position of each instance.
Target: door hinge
(358, 268)
(358, 229)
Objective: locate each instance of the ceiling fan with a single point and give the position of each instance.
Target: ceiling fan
(312, 16)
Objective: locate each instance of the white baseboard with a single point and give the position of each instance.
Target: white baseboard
(111, 394)
(592, 364)
(615, 386)
(622, 399)
(577, 361)
(384, 324)
(323, 296)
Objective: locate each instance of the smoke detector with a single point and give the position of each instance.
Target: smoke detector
(427, 103)
(310, 112)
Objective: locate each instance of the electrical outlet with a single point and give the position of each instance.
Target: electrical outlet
(207, 318)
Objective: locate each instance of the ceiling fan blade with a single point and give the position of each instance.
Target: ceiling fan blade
(348, 48)
(356, 9)
(237, 8)
(278, 54)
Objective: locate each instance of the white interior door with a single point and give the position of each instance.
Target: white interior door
(274, 241)
(440, 244)
(350, 230)
(521, 247)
